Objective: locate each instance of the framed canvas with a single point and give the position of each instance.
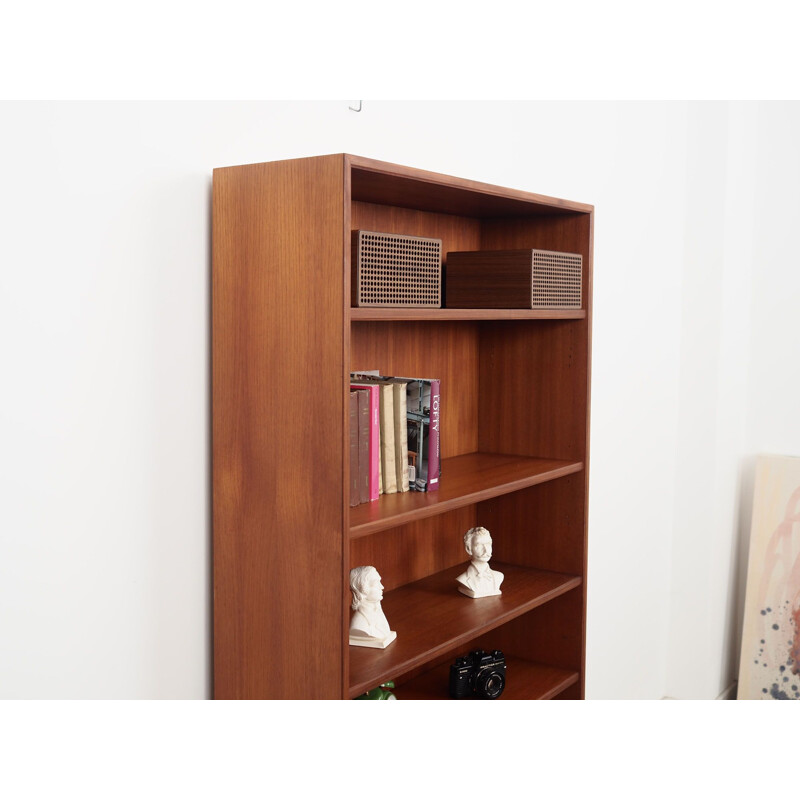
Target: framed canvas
(770, 659)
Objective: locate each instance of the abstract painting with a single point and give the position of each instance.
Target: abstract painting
(770, 662)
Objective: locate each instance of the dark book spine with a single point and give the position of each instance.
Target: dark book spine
(364, 426)
(354, 495)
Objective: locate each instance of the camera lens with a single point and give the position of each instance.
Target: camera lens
(491, 685)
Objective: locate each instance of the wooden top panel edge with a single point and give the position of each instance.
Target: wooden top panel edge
(255, 164)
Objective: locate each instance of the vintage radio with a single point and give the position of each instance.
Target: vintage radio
(514, 279)
(394, 270)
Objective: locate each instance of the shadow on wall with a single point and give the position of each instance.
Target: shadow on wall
(738, 578)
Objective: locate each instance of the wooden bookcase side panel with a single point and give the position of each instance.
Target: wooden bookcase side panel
(543, 526)
(411, 552)
(278, 508)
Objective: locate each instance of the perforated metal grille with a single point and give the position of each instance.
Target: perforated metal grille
(395, 270)
(556, 280)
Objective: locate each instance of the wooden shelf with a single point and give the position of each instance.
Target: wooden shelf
(447, 314)
(525, 680)
(432, 617)
(466, 479)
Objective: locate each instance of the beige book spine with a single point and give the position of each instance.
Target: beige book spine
(400, 436)
(388, 466)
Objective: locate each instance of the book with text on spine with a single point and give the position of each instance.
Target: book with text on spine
(423, 408)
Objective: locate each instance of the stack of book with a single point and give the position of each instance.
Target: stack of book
(394, 435)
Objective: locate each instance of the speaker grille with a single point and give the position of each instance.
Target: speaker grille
(556, 280)
(394, 270)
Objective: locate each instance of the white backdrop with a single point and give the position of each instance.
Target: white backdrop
(104, 334)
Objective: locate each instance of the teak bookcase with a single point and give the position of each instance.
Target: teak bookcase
(514, 439)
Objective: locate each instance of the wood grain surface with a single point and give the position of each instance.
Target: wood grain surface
(444, 350)
(539, 375)
(278, 419)
(525, 680)
(431, 617)
(542, 526)
(444, 314)
(515, 434)
(411, 552)
(466, 479)
(382, 182)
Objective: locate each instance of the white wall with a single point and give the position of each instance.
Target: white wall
(104, 228)
(773, 390)
(714, 345)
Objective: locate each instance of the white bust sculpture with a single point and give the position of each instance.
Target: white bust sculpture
(479, 580)
(368, 627)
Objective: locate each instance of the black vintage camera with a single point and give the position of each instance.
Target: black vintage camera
(479, 673)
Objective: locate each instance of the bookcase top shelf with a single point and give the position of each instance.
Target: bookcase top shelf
(431, 618)
(453, 314)
(381, 182)
(467, 479)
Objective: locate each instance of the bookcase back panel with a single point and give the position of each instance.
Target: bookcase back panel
(541, 527)
(444, 350)
(569, 233)
(551, 634)
(414, 551)
(378, 182)
(533, 379)
(531, 672)
(456, 233)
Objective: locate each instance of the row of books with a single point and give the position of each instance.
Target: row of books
(394, 435)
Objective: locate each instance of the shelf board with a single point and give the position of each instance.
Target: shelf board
(525, 680)
(380, 182)
(466, 479)
(431, 617)
(445, 314)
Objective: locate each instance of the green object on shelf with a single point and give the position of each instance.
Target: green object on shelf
(379, 692)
